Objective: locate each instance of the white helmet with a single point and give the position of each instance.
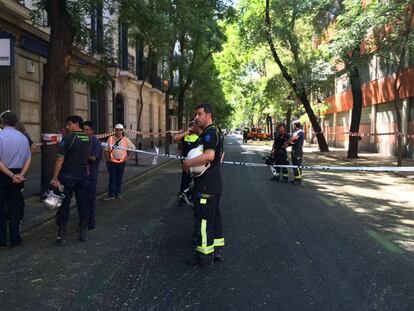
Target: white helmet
(197, 171)
(53, 201)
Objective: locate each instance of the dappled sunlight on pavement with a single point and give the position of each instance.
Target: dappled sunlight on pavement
(384, 201)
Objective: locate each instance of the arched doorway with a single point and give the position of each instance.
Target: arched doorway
(119, 111)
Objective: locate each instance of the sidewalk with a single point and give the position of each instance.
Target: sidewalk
(35, 214)
(364, 159)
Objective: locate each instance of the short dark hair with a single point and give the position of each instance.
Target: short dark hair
(90, 124)
(8, 118)
(296, 123)
(75, 119)
(207, 108)
(281, 124)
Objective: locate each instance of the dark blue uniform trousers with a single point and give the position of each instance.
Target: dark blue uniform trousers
(74, 181)
(11, 198)
(116, 172)
(93, 181)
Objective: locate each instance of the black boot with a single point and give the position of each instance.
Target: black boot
(83, 231)
(201, 261)
(61, 235)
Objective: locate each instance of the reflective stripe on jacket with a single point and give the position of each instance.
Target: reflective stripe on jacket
(122, 143)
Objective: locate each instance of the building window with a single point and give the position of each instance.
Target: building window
(159, 119)
(151, 118)
(5, 89)
(98, 111)
(119, 112)
(123, 46)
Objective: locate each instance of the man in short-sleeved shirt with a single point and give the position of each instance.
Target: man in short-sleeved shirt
(15, 160)
(71, 173)
(207, 192)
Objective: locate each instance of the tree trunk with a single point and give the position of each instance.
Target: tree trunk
(181, 93)
(356, 112)
(288, 118)
(167, 100)
(55, 74)
(181, 99)
(323, 146)
(397, 86)
(299, 91)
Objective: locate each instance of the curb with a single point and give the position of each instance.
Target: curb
(43, 219)
(359, 164)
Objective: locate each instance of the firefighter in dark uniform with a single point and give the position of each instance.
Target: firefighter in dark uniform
(297, 140)
(245, 133)
(207, 192)
(71, 172)
(189, 140)
(280, 153)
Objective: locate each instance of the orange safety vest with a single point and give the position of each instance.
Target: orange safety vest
(122, 143)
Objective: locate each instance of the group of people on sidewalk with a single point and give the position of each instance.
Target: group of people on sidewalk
(77, 168)
(75, 171)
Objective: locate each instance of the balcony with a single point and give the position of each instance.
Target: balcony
(15, 8)
(128, 69)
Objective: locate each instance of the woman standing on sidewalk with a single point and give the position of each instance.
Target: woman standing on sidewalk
(116, 159)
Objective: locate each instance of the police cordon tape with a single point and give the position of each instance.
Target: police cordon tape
(386, 169)
(54, 139)
(356, 134)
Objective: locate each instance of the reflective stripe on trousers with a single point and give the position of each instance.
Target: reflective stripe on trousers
(204, 249)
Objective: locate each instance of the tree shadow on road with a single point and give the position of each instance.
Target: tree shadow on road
(383, 201)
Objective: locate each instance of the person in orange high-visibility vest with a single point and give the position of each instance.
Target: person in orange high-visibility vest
(116, 159)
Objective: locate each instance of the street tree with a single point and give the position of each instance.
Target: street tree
(393, 35)
(68, 25)
(285, 27)
(199, 36)
(350, 22)
(282, 22)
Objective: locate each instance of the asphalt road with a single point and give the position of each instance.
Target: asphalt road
(288, 248)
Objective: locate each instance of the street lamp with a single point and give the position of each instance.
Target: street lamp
(165, 89)
(113, 71)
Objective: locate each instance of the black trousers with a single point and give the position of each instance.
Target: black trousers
(11, 208)
(208, 224)
(281, 159)
(297, 160)
(74, 181)
(185, 181)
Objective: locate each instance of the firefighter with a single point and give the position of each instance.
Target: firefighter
(280, 153)
(296, 141)
(245, 134)
(189, 140)
(207, 192)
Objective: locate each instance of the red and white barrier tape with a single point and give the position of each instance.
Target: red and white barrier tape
(314, 168)
(410, 136)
